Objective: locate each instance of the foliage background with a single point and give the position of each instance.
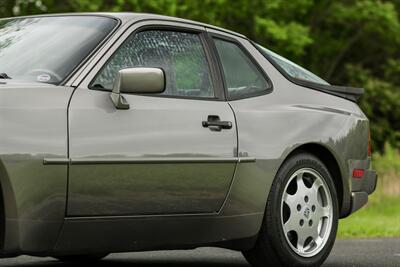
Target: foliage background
(346, 42)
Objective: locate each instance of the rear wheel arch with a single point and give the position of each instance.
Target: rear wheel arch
(274, 245)
(330, 161)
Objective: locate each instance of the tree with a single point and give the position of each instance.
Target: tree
(348, 42)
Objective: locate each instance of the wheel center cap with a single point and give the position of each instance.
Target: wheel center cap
(307, 212)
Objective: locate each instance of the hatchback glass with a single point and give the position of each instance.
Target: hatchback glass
(292, 69)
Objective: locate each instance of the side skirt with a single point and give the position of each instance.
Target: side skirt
(126, 234)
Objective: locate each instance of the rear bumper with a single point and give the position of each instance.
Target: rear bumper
(362, 187)
(365, 184)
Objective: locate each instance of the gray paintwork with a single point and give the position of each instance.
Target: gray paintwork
(78, 175)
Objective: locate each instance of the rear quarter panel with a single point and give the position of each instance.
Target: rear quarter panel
(270, 127)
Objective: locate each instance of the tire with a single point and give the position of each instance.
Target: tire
(81, 258)
(302, 197)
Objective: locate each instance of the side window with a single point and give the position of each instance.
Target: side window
(181, 55)
(242, 77)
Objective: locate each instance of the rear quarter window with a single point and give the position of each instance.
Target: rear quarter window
(242, 77)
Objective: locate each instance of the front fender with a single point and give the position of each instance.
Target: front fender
(33, 125)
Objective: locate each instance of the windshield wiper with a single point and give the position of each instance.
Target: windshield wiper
(4, 76)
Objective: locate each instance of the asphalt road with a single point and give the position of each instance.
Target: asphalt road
(349, 253)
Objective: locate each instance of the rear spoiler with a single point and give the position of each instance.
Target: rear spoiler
(350, 93)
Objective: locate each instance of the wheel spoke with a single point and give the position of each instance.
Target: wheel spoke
(290, 225)
(301, 186)
(318, 241)
(314, 232)
(290, 200)
(316, 185)
(326, 212)
(322, 212)
(301, 239)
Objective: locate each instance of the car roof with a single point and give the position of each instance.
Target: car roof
(126, 17)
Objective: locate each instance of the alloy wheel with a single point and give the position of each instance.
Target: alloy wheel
(306, 212)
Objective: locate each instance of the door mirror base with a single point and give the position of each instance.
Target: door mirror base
(119, 101)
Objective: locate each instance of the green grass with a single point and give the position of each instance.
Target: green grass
(380, 218)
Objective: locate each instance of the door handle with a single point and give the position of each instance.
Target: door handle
(214, 123)
(221, 124)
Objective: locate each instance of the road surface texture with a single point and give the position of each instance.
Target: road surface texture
(347, 253)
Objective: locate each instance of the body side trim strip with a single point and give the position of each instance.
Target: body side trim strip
(55, 161)
(246, 160)
(90, 161)
(155, 216)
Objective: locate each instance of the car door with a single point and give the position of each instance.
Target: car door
(158, 157)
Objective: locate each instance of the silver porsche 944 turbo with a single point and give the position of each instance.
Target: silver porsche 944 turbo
(131, 132)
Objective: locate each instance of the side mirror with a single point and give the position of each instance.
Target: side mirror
(137, 81)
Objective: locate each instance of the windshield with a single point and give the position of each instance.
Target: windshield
(291, 69)
(48, 49)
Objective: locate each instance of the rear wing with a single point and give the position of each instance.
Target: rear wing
(350, 93)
